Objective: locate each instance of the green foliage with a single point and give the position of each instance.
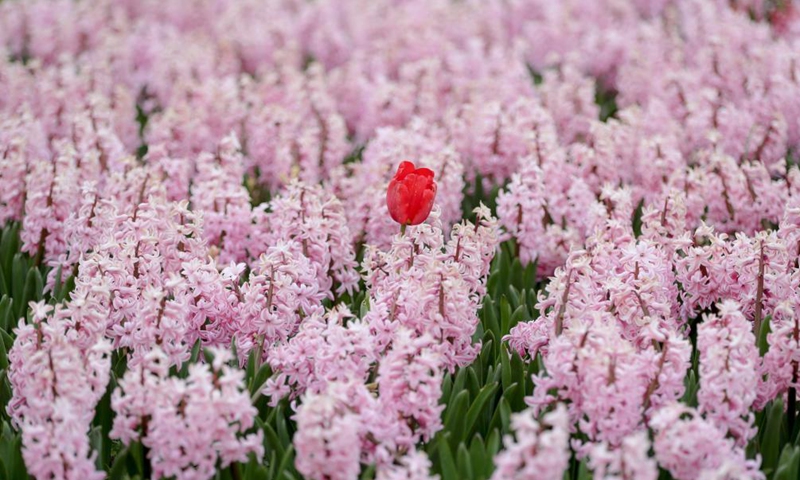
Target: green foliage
(607, 101)
(481, 397)
(475, 194)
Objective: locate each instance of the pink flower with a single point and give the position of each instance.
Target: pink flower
(189, 424)
(537, 448)
(691, 447)
(728, 371)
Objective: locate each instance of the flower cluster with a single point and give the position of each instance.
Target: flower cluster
(537, 449)
(214, 173)
(188, 424)
(423, 300)
(57, 382)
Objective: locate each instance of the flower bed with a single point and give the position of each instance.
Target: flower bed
(394, 239)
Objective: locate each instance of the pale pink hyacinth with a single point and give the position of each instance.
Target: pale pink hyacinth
(325, 349)
(422, 315)
(594, 358)
(312, 216)
(419, 286)
(56, 386)
(691, 447)
(330, 430)
(188, 425)
(409, 386)
(728, 371)
(780, 365)
(703, 145)
(414, 465)
(283, 288)
(217, 192)
(293, 128)
(538, 448)
(631, 459)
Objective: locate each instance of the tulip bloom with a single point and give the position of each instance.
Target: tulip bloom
(410, 194)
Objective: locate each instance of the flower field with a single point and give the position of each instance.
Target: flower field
(400, 239)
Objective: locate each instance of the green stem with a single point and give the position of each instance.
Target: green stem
(403, 228)
(235, 471)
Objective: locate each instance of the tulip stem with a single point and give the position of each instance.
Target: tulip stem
(403, 229)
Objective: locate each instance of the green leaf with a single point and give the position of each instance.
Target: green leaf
(15, 463)
(505, 315)
(454, 414)
(505, 367)
(260, 378)
(364, 308)
(286, 460)
(193, 356)
(517, 402)
(447, 388)
(118, 470)
(134, 460)
(282, 429)
(478, 407)
(458, 385)
(464, 463)
(19, 273)
(271, 439)
(513, 297)
(66, 289)
(57, 285)
(501, 416)
(233, 348)
(96, 441)
(519, 315)
(490, 317)
(6, 313)
(7, 340)
(250, 369)
(473, 382)
(485, 357)
(481, 464)
(4, 289)
(583, 471)
(500, 279)
(763, 345)
(493, 444)
(9, 244)
(529, 278)
(103, 419)
(3, 355)
(368, 473)
(5, 392)
(273, 464)
(789, 464)
(32, 291)
(771, 438)
(690, 395)
(449, 471)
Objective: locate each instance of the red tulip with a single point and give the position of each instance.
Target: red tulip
(410, 194)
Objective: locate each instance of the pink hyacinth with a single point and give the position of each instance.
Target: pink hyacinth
(629, 460)
(330, 431)
(538, 448)
(188, 424)
(728, 371)
(56, 386)
(691, 447)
